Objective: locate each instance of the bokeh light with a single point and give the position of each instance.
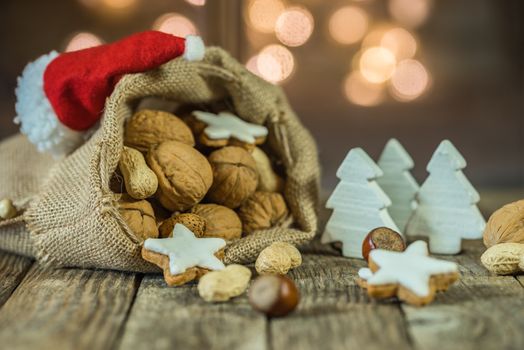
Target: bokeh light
(348, 25)
(400, 42)
(82, 40)
(374, 37)
(275, 63)
(377, 64)
(252, 65)
(294, 26)
(196, 2)
(409, 81)
(119, 4)
(360, 91)
(175, 24)
(262, 15)
(411, 13)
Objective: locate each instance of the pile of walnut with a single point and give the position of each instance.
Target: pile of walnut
(174, 171)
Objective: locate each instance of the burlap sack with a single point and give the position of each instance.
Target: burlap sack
(72, 219)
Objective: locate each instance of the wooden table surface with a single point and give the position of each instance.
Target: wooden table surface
(87, 309)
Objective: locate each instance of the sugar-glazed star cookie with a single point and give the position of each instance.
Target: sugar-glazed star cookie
(225, 128)
(184, 257)
(412, 275)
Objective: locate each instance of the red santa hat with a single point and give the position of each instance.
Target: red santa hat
(61, 96)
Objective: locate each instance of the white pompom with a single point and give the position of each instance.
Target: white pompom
(195, 48)
(36, 115)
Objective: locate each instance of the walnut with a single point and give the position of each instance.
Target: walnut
(193, 222)
(221, 221)
(262, 210)
(184, 174)
(506, 225)
(235, 176)
(268, 180)
(139, 216)
(149, 127)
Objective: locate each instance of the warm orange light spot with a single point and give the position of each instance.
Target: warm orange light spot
(263, 14)
(377, 64)
(360, 91)
(119, 4)
(81, 41)
(175, 24)
(294, 26)
(409, 81)
(252, 65)
(348, 25)
(411, 13)
(400, 42)
(275, 63)
(196, 2)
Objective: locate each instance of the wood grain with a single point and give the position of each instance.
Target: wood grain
(67, 309)
(168, 318)
(480, 311)
(334, 313)
(12, 269)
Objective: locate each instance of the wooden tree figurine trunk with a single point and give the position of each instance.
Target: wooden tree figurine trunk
(358, 203)
(447, 210)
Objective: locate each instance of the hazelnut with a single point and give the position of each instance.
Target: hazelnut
(224, 284)
(262, 210)
(193, 222)
(382, 238)
(278, 258)
(7, 209)
(268, 180)
(221, 221)
(235, 176)
(139, 216)
(147, 128)
(506, 225)
(273, 295)
(184, 174)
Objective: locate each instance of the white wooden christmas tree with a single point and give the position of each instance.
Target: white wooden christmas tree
(397, 182)
(447, 210)
(358, 203)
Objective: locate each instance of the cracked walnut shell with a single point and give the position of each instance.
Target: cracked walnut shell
(139, 217)
(262, 210)
(184, 174)
(235, 176)
(148, 127)
(506, 225)
(193, 222)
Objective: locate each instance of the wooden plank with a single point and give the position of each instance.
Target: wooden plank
(478, 312)
(67, 309)
(169, 318)
(12, 269)
(335, 313)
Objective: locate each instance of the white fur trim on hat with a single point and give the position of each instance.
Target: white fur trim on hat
(36, 115)
(195, 48)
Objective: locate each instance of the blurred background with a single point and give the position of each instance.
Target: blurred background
(356, 72)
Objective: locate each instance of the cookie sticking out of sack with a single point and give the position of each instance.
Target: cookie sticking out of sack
(411, 276)
(184, 257)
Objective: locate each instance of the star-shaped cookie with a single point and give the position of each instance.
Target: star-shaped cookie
(411, 275)
(184, 257)
(225, 128)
